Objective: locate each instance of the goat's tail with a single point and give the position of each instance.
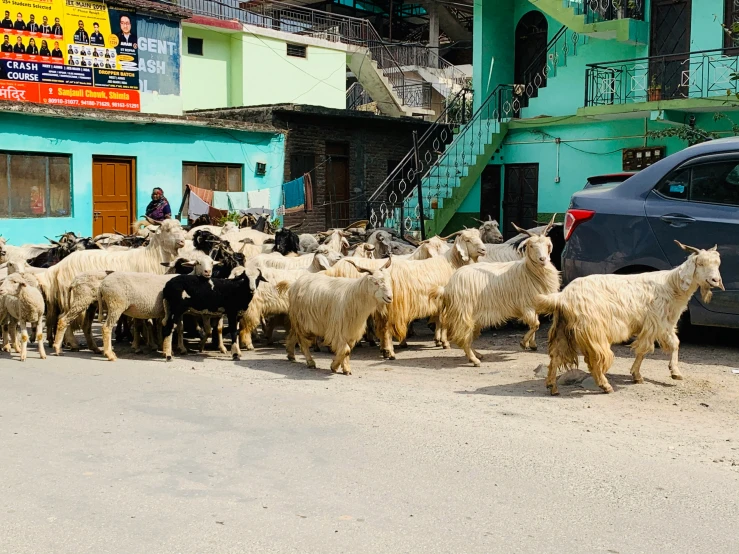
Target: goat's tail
(562, 340)
(547, 304)
(282, 287)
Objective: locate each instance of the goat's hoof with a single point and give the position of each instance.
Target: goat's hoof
(347, 372)
(236, 357)
(391, 357)
(43, 357)
(608, 389)
(311, 365)
(639, 380)
(553, 390)
(290, 358)
(403, 345)
(169, 358)
(677, 376)
(74, 349)
(138, 351)
(58, 352)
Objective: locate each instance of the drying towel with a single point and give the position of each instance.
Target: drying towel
(196, 206)
(259, 198)
(308, 192)
(205, 195)
(294, 194)
(238, 201)
(220, 200)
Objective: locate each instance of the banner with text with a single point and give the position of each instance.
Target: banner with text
(159, 55)
(79, 43)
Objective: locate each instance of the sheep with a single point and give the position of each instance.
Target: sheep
(215, 296)
(487, 295)
(489, 231)
(413, 283)
(308, 243)
(83, 294)
(596, 311)
(23, 304)
(168, 239)
(335, 309)
(139, 296)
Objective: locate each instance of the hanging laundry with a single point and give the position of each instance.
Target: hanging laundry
(308, 184)
(259, 198)
(238, 201)
(196, 206)
(294, 194)
(220, 200)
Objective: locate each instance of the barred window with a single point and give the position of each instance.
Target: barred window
(35, 185)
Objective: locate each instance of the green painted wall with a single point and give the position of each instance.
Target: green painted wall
(245, 69)
(206, 80)
(492, 46)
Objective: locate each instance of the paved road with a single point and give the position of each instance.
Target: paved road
(426, 455)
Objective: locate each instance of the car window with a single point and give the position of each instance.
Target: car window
(676, 185)
(717, 183)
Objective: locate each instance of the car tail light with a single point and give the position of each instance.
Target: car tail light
(574, 218)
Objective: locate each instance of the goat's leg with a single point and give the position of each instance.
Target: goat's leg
(108, 325)
(74, 346)
(469, 351)
(219, 328)
(24, 339)
(305, 348)
(181, 348)
(670, 343)
(87, 329)
(369, 334)
(40, 338)
(552, 377)
(61, 328)
(245, 330)
(636, 368)
(233, 334)
(342, 359)
(6, 338)
(205, 331)
(532, 320)
(137, 330)
(642, 346)
(290, 343)
(600, 359)
(167, 329)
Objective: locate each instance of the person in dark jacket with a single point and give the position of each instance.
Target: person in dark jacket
(6, 46)
(44, 51)
(19, 48)
(19, 24)
(81, 36)
(32, 25)
(57, 52)
(32, 48)
(96, 38)
(45, 27)
(6, 23)
(57, 28)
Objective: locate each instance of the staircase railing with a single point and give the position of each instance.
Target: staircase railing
(408, 55)
(358, 99)
(596, 11)
(394, 205)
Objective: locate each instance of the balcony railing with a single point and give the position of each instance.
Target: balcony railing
(596, 11)
(704, 74)
(358, 99)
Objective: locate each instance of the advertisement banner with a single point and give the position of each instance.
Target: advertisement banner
(69, 42)
(159, 55)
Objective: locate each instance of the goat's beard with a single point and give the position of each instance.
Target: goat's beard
(706, 293)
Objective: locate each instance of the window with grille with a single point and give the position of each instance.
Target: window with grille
(195, 46)
(33, 185)
(731, 22)
(296, 51)
(218, 177)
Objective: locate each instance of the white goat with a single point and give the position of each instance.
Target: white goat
(335, 309)
(23, 304)
(488, 295)
(363, 250)
(277, 261)
(335, 239)
(596, 311)
(308, 243)
(413, 284)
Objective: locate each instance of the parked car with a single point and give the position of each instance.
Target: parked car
(609, 180)
(691, 196)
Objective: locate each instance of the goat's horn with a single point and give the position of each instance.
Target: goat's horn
(479, 220)
(294, 226)
(411, 240)
(150, 220)
(520, 230)
(369, 247)
(549, 227)
(691, 249)
(713, 248)
(389, 261)
(356, 224)
(452, 235)
(360, 269)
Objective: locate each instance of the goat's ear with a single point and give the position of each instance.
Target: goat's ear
(522, 246)
(686, 272)
(462, 250)
(166, 264)
(323, 262)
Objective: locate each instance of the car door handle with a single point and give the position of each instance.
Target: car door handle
(677, 220)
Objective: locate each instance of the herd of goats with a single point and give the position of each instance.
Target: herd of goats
(335, 289)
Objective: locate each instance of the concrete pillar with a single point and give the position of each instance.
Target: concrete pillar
(433, 10)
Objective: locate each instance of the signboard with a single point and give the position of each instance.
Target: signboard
(159, 55)
(65, 46)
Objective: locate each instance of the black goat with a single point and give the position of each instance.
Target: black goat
(66, 245)
(209, 296)
(200, 221)
(287, 241)
(220, 251)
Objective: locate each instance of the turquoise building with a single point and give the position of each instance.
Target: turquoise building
(568, 89)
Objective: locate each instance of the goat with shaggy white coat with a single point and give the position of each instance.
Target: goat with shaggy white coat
(488, 295)
(278, 261)
(168, 239)
(335, 309)
(414, 282)
(596, 311)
